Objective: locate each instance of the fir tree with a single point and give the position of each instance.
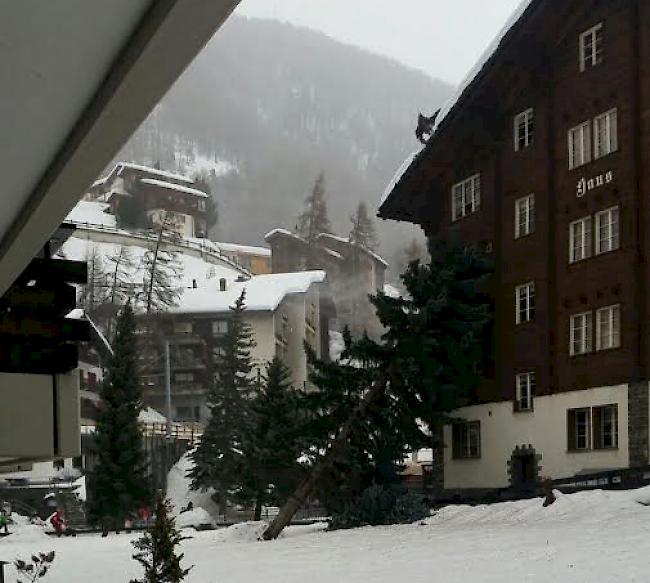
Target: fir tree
(119, 482)
(363, 230)
(218, 457)
(272, 442)
(314, 220)
(157, 549)
(429, 362)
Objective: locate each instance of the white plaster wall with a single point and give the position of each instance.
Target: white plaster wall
(26, 416)
(264, 334)
(545, 429)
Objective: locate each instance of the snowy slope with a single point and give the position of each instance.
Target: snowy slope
(591, 537)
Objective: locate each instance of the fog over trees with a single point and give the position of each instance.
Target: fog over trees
(269, 106)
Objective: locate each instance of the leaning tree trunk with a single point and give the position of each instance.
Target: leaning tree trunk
(325, 464)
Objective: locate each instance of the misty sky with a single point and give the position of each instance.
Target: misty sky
(441, 37)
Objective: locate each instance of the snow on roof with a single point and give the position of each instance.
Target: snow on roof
(91, 212)
(263, 293)
(249, 249)
(163, 173)
(332, 253)
(484, 59)
(176, 187)
(372, 254)
(398, 175)
(465, 84)
(282, 232)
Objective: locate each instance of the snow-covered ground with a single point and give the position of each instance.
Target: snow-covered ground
(587, 537)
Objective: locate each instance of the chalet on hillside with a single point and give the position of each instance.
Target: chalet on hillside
(543, 160)
(158, 194)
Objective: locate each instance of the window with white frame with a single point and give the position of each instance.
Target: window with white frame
(525, 384)
(607, 229)
(580, 239)
(608, 327)
(219, 327)
(581, 334)
(579, 145)
(592, 47)
(605, 134)
(525, 216)
(605, 426)
(525, 302)
(524, 128)
(466, 440)
(466, 197)
(579, 429)
(201, 205)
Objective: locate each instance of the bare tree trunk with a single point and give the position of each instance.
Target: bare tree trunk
(153, 262)
(325, 464)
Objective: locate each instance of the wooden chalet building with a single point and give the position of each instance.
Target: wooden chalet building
(543, 159)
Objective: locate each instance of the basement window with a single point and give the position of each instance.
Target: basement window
(466, 440)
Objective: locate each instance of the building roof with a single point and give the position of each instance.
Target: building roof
(345, 240)
(92, 213)
(282, 233)
(174, 187)
(465, 88)
(263, 293)
(149, 170)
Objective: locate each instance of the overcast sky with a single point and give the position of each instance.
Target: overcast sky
(441, 37)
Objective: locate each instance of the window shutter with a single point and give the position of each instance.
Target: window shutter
(597, 423)
(571, 430)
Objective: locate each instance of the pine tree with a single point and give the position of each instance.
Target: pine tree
(218, 457)
(314, 220)
(363, 230)
(157, 549)
(429, 361)
(119, 483)
(272, 443)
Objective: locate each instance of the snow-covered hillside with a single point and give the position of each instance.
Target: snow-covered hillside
(595, 537)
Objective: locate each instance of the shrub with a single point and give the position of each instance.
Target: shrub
(378, 505)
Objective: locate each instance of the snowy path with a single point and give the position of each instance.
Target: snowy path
(587, 537)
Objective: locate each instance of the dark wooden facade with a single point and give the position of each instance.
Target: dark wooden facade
(537, 66)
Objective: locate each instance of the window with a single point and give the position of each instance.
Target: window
(525, 216)
(524, 129)
(607, 231)
(605, 426)
(182, 327)
(608, 328)
(579, 429)
(580, 240)
(184, 377)
(579, 145)
(525, 302)
(605, 134)
(201, 205)
(525, 389)
(466, 440)
(581, 333)
(466, 197)
(591, 47)
(219, 327)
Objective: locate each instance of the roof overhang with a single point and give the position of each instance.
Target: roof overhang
(78, 77)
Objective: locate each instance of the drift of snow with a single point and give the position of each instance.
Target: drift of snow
(196, 517)
(179, 493)
(150, 415)
(596, 536)
(92, 213)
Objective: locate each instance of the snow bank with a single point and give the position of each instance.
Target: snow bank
(179, 493)
(150, 415)
(244, 532)
(195, 517)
